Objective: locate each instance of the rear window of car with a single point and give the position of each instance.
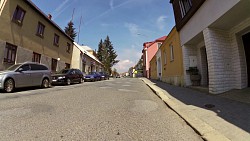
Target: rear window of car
(38, 67)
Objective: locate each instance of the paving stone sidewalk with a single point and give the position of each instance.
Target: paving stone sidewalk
(226, 116)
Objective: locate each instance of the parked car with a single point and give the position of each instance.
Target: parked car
(92, 76)
(25, 75)
(67, 76)
(104, 75)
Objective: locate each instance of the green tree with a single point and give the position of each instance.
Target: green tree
(101, 52)
(106, 54)
(70, 30)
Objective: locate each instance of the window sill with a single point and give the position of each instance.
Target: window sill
(40, 35)
(18, 22)
(57, 45)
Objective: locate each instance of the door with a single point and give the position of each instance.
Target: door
(246, 42)
(36, 74)
(22, 76)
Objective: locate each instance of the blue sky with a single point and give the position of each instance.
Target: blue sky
(128, 23)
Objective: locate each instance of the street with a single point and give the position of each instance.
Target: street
(115, 109)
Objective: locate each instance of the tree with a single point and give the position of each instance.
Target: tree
(70, 30)
(106, 54)
(101, 52)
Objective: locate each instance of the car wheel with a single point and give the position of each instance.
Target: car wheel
(81, 80)
(68, 82)
(9, 85)
(45, 83)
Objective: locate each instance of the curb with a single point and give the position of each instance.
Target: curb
(207, 132)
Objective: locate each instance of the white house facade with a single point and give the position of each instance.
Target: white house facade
(216, 40)
(84, 60)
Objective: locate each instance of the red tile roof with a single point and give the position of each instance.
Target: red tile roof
(148, 44)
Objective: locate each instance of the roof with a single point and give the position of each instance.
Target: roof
(87, 48)
(30, 3)
(82, 48)
(161, 39)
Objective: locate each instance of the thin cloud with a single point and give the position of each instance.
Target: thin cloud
(161, 22)
(111, 4)
(112, 7)
(133, 28)
(128, 58)
(61, 8)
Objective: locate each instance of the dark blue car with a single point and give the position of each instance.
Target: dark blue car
(92, 76)
(104, 75)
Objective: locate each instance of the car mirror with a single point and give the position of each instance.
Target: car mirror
(20, 70)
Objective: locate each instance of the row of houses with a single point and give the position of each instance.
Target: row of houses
(27, 34)
(208, 46)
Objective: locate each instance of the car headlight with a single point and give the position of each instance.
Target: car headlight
(61, 77)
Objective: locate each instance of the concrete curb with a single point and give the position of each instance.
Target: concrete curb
(207, 132)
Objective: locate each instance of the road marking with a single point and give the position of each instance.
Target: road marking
(126, 85)
(126, 90)
(105, 87)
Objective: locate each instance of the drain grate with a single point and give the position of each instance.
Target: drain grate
(209, 106)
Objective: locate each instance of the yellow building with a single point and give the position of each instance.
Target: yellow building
(172, 60)
(27, 34)
(153, 68)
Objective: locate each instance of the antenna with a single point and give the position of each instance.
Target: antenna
(79, 29)
(72, 15)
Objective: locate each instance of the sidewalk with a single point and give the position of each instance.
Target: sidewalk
(214, 117)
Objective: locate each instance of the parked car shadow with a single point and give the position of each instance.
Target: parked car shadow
(24, 89)
(235, 112)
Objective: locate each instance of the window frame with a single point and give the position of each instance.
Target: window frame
(40, 29)
(36, 57)
(165, 57)
(185, 6)
(17, 16)
(68, 48)
(56, 39)
(171, 52)
(10, 53)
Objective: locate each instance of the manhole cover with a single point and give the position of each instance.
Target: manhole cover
(209, 105)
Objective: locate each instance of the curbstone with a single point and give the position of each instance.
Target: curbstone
(207, 132)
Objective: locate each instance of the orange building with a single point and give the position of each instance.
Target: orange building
(172, 60)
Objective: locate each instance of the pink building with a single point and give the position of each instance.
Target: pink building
(149, 50)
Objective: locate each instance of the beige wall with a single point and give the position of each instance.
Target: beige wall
(25, 35)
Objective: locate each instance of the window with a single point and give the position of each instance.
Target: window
(171, 52)
(25, 67)
(40, 29)
(67, 66)
(53, 65)
(18, 15)
(36, 57)
(185, 6)
(56, 40)
(38, 67)
(159, 45)
(165, 57)
(10, 53)
(68, 47)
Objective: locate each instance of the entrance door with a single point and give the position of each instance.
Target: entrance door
(246, 42)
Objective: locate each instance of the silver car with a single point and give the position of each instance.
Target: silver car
(25, 75)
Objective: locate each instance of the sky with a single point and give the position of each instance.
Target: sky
(128, 23)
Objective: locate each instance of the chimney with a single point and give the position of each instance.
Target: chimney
(49, 16)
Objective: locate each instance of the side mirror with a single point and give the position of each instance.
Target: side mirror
(20, 70)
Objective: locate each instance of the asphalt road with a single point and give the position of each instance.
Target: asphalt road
(122, 109)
